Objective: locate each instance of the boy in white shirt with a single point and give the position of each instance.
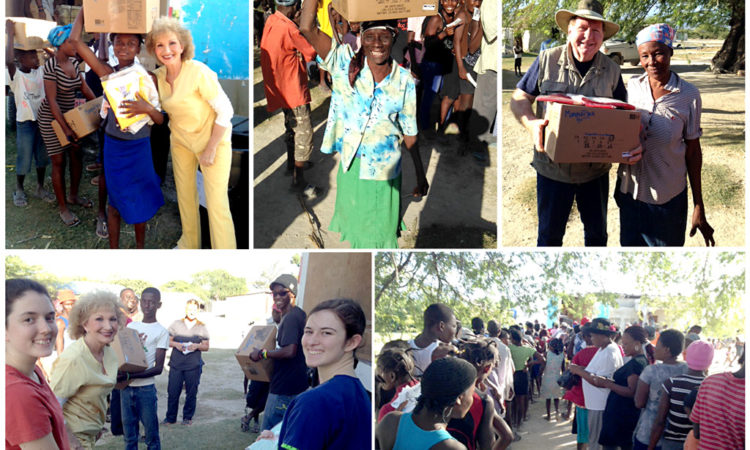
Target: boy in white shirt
(27, 85)
(138, 399)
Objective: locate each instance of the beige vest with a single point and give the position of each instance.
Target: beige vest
(558, 74)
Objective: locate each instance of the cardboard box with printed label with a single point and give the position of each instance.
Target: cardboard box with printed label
(31, 34)
(261, 337)
(582, 134)
(359, 10)
(130, 354)
(83, 120)
(120, 16)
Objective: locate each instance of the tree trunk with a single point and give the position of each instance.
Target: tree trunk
(731, 57)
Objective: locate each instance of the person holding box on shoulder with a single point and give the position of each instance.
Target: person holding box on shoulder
(373, 108)
(27, 85)
(132, 185)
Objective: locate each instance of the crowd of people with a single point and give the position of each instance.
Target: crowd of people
(383, 76)
(651, 188)
(186, 95)
(61, 394)
(639, 387)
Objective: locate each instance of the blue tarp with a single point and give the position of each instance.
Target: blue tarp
(221, 34)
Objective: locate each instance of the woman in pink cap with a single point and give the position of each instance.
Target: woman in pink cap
(671, 419)
(652, 193)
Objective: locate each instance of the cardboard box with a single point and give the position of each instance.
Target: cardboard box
(129, 349)
(119, 16)
(260, 336)
(83, 120)
(31, 34)
(582, 134)
(359, 10)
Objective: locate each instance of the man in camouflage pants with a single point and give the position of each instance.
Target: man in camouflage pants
(283, 51)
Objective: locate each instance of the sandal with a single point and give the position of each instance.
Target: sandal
(102, 229)
(20, 199)
(81, 201)
(44, 194)
(73, 221)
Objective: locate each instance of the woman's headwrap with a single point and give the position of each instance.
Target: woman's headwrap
(390, 25)
(58, 35)
(357, 62)
(660, 32)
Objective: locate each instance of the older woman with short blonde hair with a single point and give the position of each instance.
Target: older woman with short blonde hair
(200, 122)
(86, 370)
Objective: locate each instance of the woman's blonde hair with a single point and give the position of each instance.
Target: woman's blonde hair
(87, 305)
(164, 25)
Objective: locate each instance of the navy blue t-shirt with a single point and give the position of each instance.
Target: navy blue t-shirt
(529, 83)
(335, 415)
(290, 375)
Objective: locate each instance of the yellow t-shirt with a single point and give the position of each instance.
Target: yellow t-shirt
(324, 22)
(191, 117)
(77, 376)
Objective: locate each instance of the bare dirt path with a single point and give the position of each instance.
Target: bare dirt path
(723, 123)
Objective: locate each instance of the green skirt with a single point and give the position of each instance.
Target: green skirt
(368, 212)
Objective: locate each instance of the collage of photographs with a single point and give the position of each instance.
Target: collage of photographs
(357, 267)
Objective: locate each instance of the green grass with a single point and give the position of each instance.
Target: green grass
(721, 186)
(38, 225)
(527, 192)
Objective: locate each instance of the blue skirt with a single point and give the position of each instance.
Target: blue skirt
(132, 184)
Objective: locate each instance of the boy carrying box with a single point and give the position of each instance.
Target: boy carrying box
(27, 85)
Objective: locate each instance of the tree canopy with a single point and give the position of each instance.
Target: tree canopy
(208, 285)
(693, 287)
(720, 19)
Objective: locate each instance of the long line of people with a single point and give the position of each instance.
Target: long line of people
(632, 389)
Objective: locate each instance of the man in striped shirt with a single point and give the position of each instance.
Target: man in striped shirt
(719, 411)
(698, 356)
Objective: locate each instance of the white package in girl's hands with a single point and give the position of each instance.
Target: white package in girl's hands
(123, 85)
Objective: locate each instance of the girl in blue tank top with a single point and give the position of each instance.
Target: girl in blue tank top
(447, 392)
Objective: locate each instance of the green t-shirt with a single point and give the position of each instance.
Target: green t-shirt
(520, 355)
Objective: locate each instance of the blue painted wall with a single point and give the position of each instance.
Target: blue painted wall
(221, 34)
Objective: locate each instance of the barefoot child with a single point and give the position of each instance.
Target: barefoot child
(27, 85)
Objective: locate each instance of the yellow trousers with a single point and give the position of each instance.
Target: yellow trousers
(215, 184)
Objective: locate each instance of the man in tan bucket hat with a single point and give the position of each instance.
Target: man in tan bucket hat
(577, 67)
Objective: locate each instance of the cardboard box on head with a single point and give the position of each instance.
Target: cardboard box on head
(582, 134)
(261, 337)
(359, 11)
(31, 34)
(120, 16)
(129, 349)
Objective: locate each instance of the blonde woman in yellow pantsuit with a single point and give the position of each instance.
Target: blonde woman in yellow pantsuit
(200, 123)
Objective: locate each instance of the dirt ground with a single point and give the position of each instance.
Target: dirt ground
(48, 231)
(219, 407)
(459, 211)
(723, 123)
